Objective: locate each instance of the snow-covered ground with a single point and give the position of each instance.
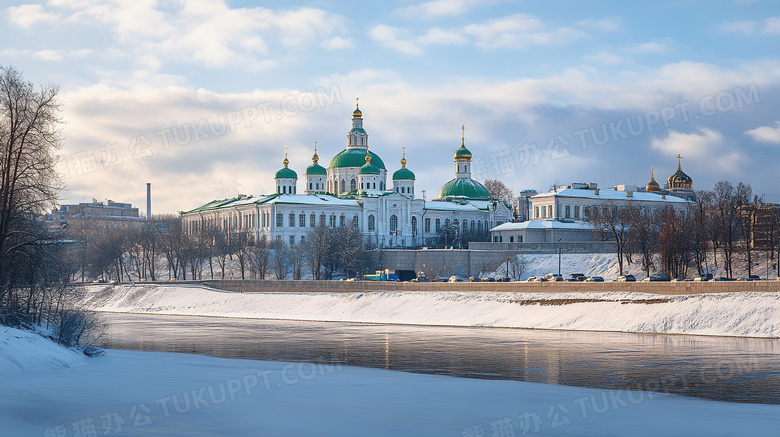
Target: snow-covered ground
(732, 314)
(162, 394)
(24, 350)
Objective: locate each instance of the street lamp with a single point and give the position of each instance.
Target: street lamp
(560, 251)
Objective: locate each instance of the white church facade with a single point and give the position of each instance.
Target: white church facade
(353, 191)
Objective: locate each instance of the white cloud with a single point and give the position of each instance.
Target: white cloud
(26, 16)
(607, 24)
(394, 38)
(514, 32)
(766, 134)
(706, 145)
(767, 26)
(208, 33)
(440, 8)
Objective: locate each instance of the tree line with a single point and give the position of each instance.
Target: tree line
(160, 248)
(34, 263)
(725, 227)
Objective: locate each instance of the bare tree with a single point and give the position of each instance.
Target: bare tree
(280, 259)
(498, 190)
(643, 238)
(260, 258)
(318, 247)
(514, 267)
(613, 223)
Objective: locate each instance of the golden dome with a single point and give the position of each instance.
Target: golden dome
(357, 113)
(679, 179)
(653, 184)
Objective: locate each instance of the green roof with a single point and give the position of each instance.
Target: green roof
(357, 130)
(369, 169)
(403, 173)
(465, 188)
(316, 169)
(286, 173)
(462, 152)
(355, 158)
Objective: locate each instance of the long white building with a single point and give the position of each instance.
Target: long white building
(353, 191)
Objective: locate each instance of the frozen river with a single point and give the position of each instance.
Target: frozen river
(722, 368)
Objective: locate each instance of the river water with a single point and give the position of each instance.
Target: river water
(721, 368)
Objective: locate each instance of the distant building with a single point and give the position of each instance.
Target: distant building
(560, 215)
(353, 191)
(522, 206)
(110, 213)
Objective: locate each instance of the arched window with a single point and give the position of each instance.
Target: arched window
(355, 222)
(414, 225)
(353, 185)
(438, 225)
(393, 223)
(447, 223)
(292, 219)
(371, 223)
(455, 225)
(341, 221)
(322, 219)
(473, 228)
(343, 185)
(381, 186)
(312, 220)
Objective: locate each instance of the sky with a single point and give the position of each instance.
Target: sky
(200, 98)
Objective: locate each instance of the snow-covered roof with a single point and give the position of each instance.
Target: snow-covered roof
(309, 199)
(438, 205)
(610, 195)
(543, 224)
(294, 199)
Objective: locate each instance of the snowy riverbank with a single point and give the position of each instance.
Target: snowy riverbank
(153, 393)
(729, 314)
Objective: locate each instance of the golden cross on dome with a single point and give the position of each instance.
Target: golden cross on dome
(315, 147)
(463, 135)
(679, 157)
(357, 102)
(285, 162)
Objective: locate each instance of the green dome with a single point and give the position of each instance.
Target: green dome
(369, 169)
(463, 187)
(316, 169)
(286, 173)
(462, 152)
(355, 158)
(403, 173)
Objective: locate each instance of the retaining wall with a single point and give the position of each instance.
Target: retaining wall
(664, 288)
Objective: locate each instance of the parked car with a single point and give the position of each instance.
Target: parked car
(504, 279)
(723, 279)
(753, 278)
(487, 279)
(703, 278)
(455, 278)
(595, 279)
(536, 279)
(575, 277)
(657, 277)
(554, 277)
(626, 278)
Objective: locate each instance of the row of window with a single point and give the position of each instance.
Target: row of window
(352, 186)
(546, 211)
(249, 221)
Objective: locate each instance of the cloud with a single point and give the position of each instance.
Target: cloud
(704, 145)
(206, 33)
(440, 8)
(607, 24)
(26, 16)
(767, 26)
(766, 134)
(512, 32)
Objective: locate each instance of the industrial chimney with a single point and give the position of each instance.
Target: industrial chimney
(148, 201)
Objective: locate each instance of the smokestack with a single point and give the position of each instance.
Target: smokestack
(148, 201)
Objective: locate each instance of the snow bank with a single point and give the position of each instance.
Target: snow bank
(23, 350)
(727, 314)
(153, 393)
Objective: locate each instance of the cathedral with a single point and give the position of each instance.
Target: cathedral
(353, 191)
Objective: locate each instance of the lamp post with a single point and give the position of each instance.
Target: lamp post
(560, 251)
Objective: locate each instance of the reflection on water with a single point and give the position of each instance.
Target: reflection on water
(723, 368)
